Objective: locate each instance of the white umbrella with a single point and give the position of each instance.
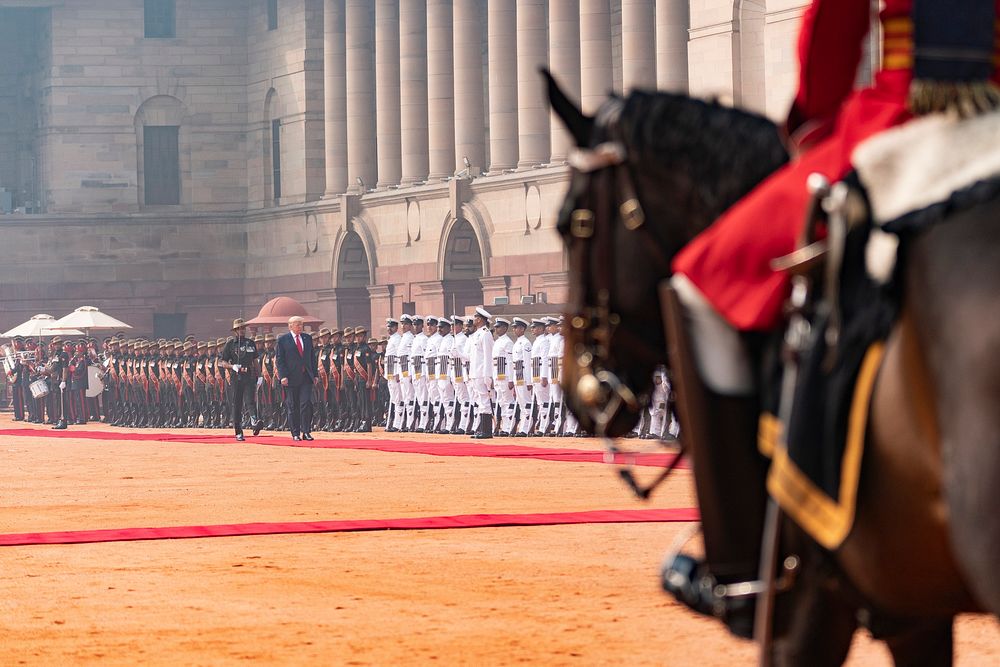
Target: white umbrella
(39, 325)
(89, 319)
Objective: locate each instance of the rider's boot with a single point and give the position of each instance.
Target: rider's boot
(719, 410)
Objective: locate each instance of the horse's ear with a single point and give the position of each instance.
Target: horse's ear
(578, 124)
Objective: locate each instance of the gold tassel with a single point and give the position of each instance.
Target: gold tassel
(965, 99)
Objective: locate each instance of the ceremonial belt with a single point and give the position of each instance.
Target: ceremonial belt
(361, 370)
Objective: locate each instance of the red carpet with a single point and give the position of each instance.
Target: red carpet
(429, 447)
(285, 528)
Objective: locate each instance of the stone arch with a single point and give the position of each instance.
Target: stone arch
(463, 264)
(163, 111)
(354, 265)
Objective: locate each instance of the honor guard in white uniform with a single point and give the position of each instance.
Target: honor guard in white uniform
(469, 385)
(539, 374)
(459, 376)
(404, 410)
(446, 375)
(419, 367)
(433, 405)
(503, 378)
(521, 362)
(481, 371)
(391, 375)
(553, 328)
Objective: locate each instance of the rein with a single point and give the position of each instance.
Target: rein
(592, 238)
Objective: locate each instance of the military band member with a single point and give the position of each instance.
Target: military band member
(521, 359)
(77, 382)
(15, 377)
(57, 369)
(392, 376)
(239, 358)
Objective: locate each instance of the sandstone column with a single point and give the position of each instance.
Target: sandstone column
(597, 76)
(440, 90)
(387, 92)
(564, 62)
(532, 105)
(361, 159)
(672, 46)
(638, 44)
(502, 38)
(334, 97)
(413, 88)
(470, 122)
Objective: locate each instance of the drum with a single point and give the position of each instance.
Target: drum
(39, 389)
(94, 384)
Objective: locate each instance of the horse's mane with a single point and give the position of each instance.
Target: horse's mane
(718, 152)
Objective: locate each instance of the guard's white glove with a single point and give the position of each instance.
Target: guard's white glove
(62, 385)
(236, 368)
(260, 381)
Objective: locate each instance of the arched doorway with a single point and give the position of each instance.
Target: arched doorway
(353, 279)
(463, 267)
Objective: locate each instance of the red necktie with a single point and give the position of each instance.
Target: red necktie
(298, 344)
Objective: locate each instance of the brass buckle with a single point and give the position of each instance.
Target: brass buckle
(581, 223)
(632, 215)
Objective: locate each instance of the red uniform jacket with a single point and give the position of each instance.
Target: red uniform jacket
(730, 261)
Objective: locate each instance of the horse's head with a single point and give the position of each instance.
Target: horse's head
(648, 173)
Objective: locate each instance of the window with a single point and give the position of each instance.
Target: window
(276, 158)
(272, 14)
(161, 165)
(160, 18)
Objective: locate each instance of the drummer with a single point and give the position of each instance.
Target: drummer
(58, 372)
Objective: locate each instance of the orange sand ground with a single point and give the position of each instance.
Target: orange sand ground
(548, 595)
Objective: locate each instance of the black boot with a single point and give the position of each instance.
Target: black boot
(485, 431)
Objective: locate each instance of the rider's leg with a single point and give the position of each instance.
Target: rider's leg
(719, 410)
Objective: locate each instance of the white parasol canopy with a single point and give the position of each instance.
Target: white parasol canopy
(89, 319)
(39, 325)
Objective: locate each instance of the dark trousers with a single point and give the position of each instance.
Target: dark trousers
(298, 402)
(243, 386)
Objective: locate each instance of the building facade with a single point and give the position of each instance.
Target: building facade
(180, 162)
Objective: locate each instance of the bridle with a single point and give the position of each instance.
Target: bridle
(590, 236)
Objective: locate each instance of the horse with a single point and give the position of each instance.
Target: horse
(652, 171)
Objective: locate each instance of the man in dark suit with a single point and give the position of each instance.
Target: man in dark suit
(297, 371)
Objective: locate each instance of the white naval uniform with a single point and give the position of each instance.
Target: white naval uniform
(502, 379)
(431, 373)
(555, 375)
(521, 360)
(539, 379)
(404, 415)
(481, 368)
(419, 375)
(446, 374)
(459, 377)
(391, 372)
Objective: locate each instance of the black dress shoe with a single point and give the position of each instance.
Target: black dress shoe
(256, 427)
(240, 438)
(307, 436)
(296, 438)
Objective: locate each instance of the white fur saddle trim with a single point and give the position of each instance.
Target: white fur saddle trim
(923, 162)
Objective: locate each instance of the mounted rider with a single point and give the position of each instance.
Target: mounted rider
(937, 56)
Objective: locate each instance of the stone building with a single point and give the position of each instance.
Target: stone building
(180, 162)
